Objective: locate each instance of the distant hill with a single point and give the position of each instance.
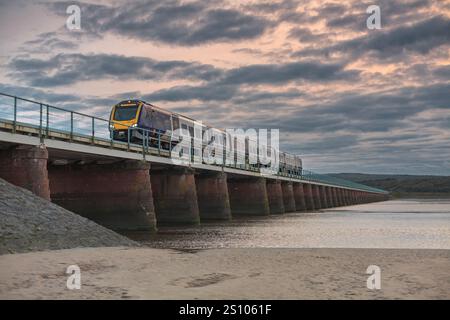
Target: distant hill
(402, 185)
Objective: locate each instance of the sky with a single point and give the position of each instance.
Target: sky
(345, 97)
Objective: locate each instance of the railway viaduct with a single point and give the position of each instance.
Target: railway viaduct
(131, 187)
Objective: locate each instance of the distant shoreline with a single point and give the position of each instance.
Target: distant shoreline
(420, 195)
(423, 186)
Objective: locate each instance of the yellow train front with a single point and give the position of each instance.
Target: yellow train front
(132, 119)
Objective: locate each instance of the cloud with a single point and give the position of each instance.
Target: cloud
(172, 22)
(442, 72)
(306, 35)
(420, 38)
(48, 42)
(204, 93)
(36, 94)
(356, 112)
(228, 85)
(65, 69)
(282, 73)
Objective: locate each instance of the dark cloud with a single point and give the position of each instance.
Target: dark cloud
(272, 7)
(267, 97)
(64, 69)
(332, 10)
(95, 106)
(282, 73)
(355, 21)
(36, 94)
(357, 112)
(353, 17)
(183, 93)
(420, 38)
(442, 72)
(306, 35)
(397, 8)
(48, 42)
(335, 144)
(381, 111)
(228, 85)
(173, 22)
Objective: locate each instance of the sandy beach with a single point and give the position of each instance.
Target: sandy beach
(146, 273)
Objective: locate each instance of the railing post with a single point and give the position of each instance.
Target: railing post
(159, 144)
(128, 139)
(71, 125)
(15, 115)
(170, 145)
(47, 121)
(144, 141)
(192, 150)
(40, 123)
(111, 133)
(93, 130)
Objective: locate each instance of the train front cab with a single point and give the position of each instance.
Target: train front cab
(125, 115)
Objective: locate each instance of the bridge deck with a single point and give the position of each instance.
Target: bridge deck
(73, 145)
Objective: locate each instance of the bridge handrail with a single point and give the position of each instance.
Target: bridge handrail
(45, 109)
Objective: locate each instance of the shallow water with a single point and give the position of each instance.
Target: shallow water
(406, 224)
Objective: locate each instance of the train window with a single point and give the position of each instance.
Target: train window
(146, 116)
(184, 129)
(125, 113)
(198, 133)
(175, 123)
(161, 121)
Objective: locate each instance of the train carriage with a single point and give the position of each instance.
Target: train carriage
(134, 120)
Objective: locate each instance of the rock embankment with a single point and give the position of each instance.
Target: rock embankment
(30, 223)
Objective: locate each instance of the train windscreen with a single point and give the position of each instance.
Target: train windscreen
(125, 113)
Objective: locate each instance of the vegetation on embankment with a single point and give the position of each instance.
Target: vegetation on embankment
(401, 186)
(30, 223)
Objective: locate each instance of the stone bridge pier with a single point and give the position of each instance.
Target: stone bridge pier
(334, 192)
(323, 197)
(288, 196)
(275, 196)
(212, 195)
(248, 195)
(346, 197)
(331, 202)
(299, 196)
(175, 195)
(309, 197)
(343, 197)
(316, 197)
(26, 167)
(116, 195)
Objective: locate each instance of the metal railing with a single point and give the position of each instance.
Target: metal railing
(49, 121)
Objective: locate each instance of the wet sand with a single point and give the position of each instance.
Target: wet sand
(256, 273)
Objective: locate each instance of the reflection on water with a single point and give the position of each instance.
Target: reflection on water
(390, 224)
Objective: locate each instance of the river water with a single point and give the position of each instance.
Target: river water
(406, 224)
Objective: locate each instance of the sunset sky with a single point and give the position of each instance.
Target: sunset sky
(345, 98)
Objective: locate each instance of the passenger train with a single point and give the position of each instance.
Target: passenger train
(162, 123)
